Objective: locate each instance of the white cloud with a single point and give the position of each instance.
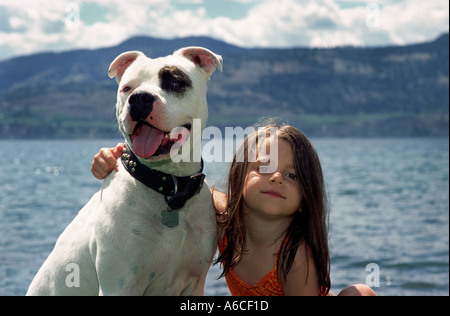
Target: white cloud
(29, 26)
(414, 20)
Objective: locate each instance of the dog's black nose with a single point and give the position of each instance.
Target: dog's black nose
(141, 105)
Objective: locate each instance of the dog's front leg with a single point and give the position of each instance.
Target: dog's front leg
(119, 276)
(122, 263)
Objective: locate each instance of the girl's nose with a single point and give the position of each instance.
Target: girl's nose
(276, 177)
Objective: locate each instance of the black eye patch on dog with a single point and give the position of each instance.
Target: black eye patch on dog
(174, 80)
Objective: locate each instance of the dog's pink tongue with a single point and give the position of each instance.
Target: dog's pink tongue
(146, 141)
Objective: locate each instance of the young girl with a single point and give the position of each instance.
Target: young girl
(272, 223)
(275, 235)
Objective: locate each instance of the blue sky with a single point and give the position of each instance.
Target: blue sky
(214, 9)
(237, 10)
(30, 26)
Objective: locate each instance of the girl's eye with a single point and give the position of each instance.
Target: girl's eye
(291, 176)
(126, 89)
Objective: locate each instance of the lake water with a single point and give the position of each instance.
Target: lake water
(389, 222)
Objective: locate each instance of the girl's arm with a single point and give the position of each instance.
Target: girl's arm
(105, 161)
(302, 277)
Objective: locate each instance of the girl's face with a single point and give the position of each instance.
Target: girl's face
(273, 194)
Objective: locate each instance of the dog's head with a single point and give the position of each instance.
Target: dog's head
(158, 99)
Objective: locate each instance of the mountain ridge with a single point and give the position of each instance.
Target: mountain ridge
(343, 91)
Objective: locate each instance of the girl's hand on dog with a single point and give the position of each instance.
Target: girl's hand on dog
(105, 161)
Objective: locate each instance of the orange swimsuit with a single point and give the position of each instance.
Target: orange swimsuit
(269, 285)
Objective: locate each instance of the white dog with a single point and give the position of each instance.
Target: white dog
(151, 229)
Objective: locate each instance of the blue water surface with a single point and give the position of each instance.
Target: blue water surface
(389, 200)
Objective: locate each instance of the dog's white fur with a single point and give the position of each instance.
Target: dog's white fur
(117, 244)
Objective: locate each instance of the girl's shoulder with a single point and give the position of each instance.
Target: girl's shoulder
(220, 201)
(220, 206)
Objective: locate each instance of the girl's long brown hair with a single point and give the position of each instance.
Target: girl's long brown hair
(308, 225)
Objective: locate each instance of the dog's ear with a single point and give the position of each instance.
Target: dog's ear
(202, 57)
(121, 63)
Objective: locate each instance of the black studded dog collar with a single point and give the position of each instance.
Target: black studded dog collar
(176, 190)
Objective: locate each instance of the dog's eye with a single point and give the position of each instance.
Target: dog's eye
(173, 85)
(126, 89)
(176, 85)
(174, 80)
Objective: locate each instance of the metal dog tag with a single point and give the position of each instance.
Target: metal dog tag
(169, 218)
